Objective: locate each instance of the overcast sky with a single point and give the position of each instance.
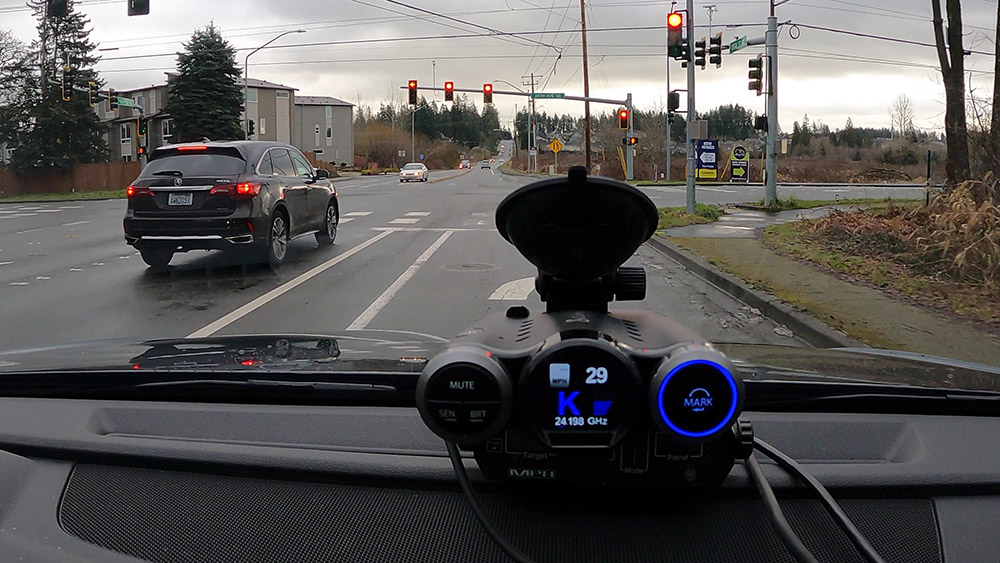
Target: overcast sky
(621, 62)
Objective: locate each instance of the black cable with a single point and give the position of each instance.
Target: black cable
(470, 495)
(788, 536)
(791, 466)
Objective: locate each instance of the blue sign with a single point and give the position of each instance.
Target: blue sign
(421, 156)
(706, 153)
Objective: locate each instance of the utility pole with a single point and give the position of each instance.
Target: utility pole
(586, 82)
(533, 135)
(691, 164)
(434, 79)
(630, 149)
(413, 137)
(771, 48)
(669, 124)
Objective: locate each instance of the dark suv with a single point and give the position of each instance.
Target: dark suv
(238, 195)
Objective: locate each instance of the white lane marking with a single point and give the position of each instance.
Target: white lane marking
(43, 278)
(346, 220)
(5, 263)
(282, 289)
(7, 212)
(418, 213)
(70, 207)
(50, 210)
(403, 221)
(358, 214)
(18, 283)
(410, 332)
(29, 231)
(18, 215)
(517, 290)
(75, 223)
(76, 269)
(368, 314)
(432, 229)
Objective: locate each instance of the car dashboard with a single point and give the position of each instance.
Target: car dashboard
(162, 481)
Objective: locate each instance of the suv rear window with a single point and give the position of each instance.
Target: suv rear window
(197, 164)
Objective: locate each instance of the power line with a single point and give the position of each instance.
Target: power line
(883, 38)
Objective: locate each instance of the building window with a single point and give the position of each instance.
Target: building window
(126, 158)
(152, 101)
(329, 132)
(167, 129)
(281, 94)
(317, 129)
(126, 132)
(329, 111)
(252, 95)
(263, 126)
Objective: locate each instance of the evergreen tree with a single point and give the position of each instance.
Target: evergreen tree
(47, 132)
(205, 99)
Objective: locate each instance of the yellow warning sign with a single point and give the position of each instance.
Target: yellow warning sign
(555, 146)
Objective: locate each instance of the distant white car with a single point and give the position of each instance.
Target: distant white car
(484, 164)
(414, 171)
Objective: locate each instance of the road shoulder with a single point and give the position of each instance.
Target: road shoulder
(817, 297)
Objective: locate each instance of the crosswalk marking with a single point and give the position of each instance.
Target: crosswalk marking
(358, 214)
(404, 221)
(418, 213)
(346, 220)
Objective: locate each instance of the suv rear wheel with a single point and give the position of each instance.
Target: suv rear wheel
(157, 258)
(277, 240)
(328, 233)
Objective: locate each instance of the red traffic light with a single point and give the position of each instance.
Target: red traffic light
(449, 86)
(413, 84)
(412, 98)
(675, 20)
(487, 87)
(623, 119)
(449, 91)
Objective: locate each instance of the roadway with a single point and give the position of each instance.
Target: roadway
(410, 259)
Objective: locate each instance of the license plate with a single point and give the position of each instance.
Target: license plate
(180, 199)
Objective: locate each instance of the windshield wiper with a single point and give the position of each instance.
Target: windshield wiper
(867, 398)
(176, 173)
(354, 388)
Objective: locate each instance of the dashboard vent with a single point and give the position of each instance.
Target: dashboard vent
(633, 330)
(524, 331)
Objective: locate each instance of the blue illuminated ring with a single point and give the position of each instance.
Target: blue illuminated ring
(709, 432)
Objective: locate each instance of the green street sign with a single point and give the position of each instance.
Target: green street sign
(548, 95)
(737, 44)
(126, 102)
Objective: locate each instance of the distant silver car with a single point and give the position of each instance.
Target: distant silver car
(414, 171)
(484, 164)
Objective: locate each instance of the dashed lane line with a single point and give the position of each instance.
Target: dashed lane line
(381, 301)
(282, 289)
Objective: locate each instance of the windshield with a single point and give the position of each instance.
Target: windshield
(847, 197)
(195, 165)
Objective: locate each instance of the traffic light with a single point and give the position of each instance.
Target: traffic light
(251, 128)
(699, 53)
(138, 7)
(756, 74)
(112, 99)
(141, 151)
(487, 93)
(673, 100)
(715, 49)
(412, 85)
(675, 24)
(141, 127)
(92, 93)
(56, 8)
(623, 119)
(630, 141)
(449, 91)
(66, 84)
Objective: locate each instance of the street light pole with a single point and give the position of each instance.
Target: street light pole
(246, 79)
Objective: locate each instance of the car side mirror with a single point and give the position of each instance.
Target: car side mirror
(322, 174)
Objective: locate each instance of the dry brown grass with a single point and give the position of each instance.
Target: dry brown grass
(957, 236)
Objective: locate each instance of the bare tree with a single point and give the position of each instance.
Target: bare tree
(901, 114)
(12, 54)
(995, 112)
(951, 56)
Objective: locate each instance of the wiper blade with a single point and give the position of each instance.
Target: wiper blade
(853, 397)
(270, 383)
(177, 173)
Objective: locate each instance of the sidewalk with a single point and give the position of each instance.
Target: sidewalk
(864, 313)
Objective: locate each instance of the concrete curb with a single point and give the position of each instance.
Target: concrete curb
(809, 329)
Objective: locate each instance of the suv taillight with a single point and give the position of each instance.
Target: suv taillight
(243, 190)
(135, 191)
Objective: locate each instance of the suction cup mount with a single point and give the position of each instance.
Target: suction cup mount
(578, 231)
